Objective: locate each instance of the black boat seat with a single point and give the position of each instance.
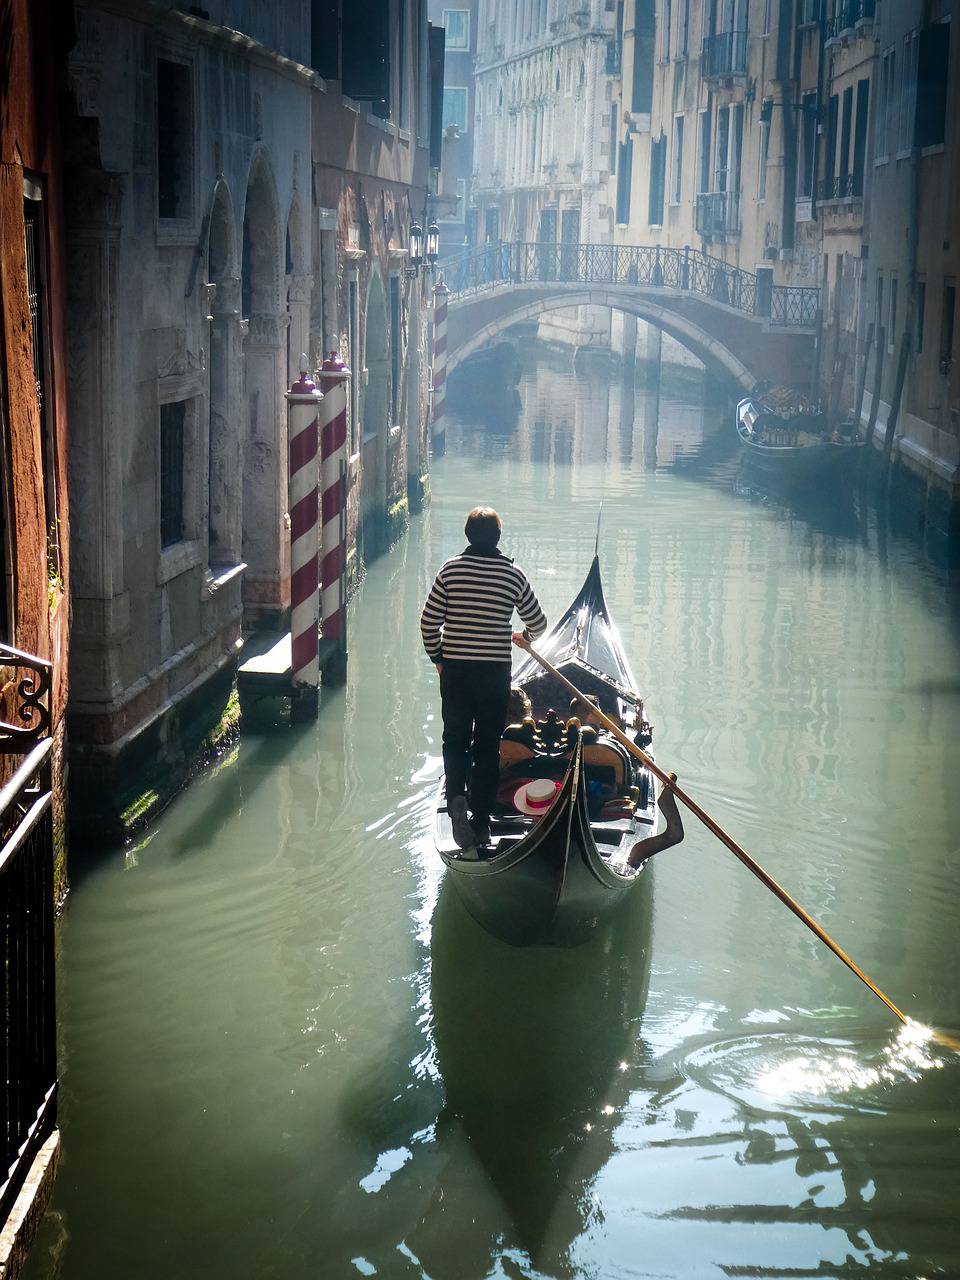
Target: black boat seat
(607, 762)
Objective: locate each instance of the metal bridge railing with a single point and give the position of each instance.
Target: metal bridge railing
(517, 262)
(28, 1052)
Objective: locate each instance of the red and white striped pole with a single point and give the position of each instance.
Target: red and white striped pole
(303, 409)
(438, 426)
(334, 376)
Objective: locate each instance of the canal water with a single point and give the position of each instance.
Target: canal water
(287, 1052)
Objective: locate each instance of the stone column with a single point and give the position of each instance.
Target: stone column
(266, 588)
(298, 310)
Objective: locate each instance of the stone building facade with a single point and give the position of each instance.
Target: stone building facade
(456, 217)
(240, 191)
(912, 253)
(541, 149)
(712, 130)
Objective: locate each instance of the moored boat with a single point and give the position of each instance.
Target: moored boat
(554, 878)
(792, 446)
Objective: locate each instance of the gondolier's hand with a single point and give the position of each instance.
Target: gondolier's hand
(439, 666)
(520, 640)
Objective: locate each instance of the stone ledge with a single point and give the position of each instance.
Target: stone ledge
(29, 1208)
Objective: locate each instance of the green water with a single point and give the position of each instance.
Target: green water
(286, 1051)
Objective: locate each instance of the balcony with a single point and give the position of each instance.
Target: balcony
(724, 56)
(848, 15)
(845, 186)
(718, 214)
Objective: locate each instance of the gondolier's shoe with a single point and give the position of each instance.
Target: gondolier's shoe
(462, 831)
(481, 831)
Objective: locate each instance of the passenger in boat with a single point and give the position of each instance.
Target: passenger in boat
(519, 708)
(467, 630)
(585, 710)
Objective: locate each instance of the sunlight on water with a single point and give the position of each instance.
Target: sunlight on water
(818, 1076)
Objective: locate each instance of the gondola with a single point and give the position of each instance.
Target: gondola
(553, 879)
(794, 448)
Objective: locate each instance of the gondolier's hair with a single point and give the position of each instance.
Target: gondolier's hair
(483, 527)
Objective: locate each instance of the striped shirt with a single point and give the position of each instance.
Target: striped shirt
(469, 611)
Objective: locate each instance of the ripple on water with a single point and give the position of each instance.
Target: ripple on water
(776, 1070)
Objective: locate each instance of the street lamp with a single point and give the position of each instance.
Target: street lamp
(416, 245)
(433, 244)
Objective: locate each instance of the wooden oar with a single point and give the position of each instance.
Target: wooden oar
(751, 864)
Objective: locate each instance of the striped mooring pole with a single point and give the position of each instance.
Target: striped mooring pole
(334, 376)
(438, 426)
(303, 424)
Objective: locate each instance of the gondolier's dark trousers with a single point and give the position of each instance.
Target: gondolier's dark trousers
(474, 701)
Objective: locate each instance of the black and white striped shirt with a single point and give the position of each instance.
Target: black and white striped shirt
(469, 611)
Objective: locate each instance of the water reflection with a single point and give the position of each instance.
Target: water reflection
(533, 1046)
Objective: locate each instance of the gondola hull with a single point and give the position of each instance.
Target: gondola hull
(552, 886)
(811, 460)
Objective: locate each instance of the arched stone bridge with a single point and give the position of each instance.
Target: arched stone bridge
(737, 322)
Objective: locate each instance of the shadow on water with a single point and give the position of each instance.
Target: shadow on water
(533, 1046)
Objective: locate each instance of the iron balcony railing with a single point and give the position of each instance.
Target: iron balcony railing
(845, 186)
(28, 1059)
(718, 213)
(724, 55)
(503, 265)
(847, 14)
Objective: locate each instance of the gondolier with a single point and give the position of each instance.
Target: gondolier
(467, 630)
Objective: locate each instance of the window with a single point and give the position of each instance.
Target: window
(921, 313)
(34, 224)
(703, 168)
(644, 51)
(455, 108)
(174, 139)
(456, 23)
(676, 175)
(171, 472)
(624, 178)
(767, 6)
(667, 22)
(933, 56)
(947, 318)
(613, 139)
(908, 92)
(830, 148)
(683, 29)
(723, 145)
(367, 48)
(658, 173)
(878, 317)
(860, 135)
(395, 349)
(846, 131)
(807, 154)
(762, 161)
(892, 326)
(886, 114)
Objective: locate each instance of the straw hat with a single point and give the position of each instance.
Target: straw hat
(536, 797)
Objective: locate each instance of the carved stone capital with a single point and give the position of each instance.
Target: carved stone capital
(300, 288)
